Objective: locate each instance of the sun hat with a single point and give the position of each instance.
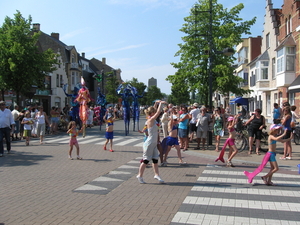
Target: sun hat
(275, 126)
(230, 118)
(196, 105)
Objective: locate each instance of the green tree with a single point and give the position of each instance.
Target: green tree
(21, 63)
(111, 86)
(226, 32)
(179, 94)
(153, 93)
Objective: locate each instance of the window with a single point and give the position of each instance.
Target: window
(268, 106)
(280, 58)
(275, 98)
(264, 70)
(273, 68)
(73, 78)
(268, 40)
(290, 58)
(57, 80)
(73, 58)
(292, 98)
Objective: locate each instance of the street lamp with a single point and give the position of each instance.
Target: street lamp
(212, 52)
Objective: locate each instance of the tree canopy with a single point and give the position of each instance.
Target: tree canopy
(203, 41)
(22, 65)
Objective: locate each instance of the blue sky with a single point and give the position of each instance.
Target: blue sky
(140, 37)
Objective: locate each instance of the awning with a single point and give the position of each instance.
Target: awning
(240, 100)
(295, 86)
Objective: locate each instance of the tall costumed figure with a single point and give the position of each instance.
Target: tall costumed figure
(125, 93)
(74, 113)
(83, 98)
(136, 107)
(101, 100)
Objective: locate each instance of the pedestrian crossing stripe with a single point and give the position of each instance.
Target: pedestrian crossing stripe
(89, 187)
(117, 141)
(106, 183)
(215, 199)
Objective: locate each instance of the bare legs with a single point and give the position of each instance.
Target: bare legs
(268, 177)
(218, 138)
(287, 150)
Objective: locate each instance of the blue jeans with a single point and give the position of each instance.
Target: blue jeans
(5, 132)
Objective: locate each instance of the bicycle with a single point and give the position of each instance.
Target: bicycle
(241, 138)
(297, 134)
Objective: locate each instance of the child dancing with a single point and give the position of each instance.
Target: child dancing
(230, 142)
(171, 140)
(109, 134)
(73, 132)
(270, 155)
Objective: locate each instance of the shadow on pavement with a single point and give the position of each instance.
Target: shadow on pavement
(22, 159)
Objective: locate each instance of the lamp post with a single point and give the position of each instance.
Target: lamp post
(226, 52)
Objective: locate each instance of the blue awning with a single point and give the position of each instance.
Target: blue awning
(240, 100)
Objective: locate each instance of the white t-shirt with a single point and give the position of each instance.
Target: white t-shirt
(194, 112)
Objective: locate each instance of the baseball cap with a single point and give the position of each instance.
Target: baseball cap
(230, 118)
(275, 126)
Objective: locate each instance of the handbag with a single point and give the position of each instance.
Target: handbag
(221, 133)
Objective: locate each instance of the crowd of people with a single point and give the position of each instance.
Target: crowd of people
(180, 126)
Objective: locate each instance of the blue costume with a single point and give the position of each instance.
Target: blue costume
(75, 105)
(101, 100)
(136, 108)
(126, 105)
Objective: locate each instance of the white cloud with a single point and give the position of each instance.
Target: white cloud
(74, 33)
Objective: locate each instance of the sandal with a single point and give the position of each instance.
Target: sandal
(283, 158)
(257, 153)
(264, 180)
(79, 158)
(271, 184)
(250, 152)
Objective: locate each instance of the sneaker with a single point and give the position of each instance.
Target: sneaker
(104, 147)
(111, 150)
(164, 164)
(159, 179)
(141, 180)
(288, 158)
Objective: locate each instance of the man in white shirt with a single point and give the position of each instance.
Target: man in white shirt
(15, 113)
(193, 115)
(7, 125)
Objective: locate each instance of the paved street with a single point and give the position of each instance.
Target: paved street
(39, 185)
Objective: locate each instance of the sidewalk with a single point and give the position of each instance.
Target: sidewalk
(244, 158)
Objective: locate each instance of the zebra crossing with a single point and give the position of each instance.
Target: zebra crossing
(104, 184)
(118, 141)
(223, 196)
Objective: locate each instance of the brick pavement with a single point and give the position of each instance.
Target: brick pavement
(38, 183)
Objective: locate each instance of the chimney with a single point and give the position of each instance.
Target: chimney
(36, 27)
(55, 35)
(104, 61)
(83, 54)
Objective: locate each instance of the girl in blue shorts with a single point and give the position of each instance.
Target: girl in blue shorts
(270, 155)
(109, 134)
(171, 140)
